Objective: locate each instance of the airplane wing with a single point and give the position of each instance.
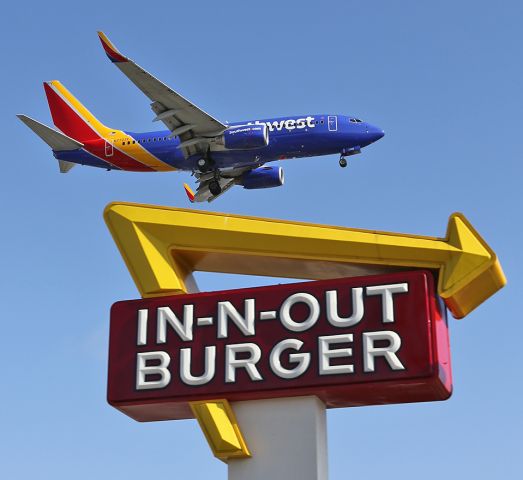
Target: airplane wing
(203, 194)
(227, 179)
(184, 119)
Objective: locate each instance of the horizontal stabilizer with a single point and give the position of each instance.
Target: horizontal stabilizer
(56, 140)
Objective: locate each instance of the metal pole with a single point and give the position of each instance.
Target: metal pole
(287, 438)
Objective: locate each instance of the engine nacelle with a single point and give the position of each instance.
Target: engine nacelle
(263, 177)
(245, 137)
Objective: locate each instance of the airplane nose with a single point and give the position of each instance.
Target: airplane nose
(374, 133)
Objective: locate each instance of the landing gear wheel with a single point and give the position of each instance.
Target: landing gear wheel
(214, 187)
(343, 162)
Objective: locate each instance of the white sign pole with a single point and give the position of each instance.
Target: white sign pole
(287, 438)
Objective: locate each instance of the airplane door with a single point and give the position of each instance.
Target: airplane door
(332, 122)
(109, 149)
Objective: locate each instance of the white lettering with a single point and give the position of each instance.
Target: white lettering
(314, 312)
(326, 353)
(290, 124)
(185, 366)
(246, 324)
(232, 363)
(388, 352)
(142, 370)
(300, 123)
(276, 125)
(301, 359)
(183, 330)
(141, 336)
(332, 308)
(386, 292)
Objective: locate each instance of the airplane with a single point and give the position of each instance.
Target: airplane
(219, 154)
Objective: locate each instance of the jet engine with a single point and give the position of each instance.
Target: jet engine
(245, 137)
(263, 177)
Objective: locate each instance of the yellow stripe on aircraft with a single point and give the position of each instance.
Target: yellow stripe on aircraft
(117, 137)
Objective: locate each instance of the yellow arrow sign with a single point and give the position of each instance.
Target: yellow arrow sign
(162, 247)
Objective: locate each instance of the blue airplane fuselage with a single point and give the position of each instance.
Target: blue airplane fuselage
(289, 137)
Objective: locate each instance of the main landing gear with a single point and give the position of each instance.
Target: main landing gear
(343, 162)
(214, 187)
(204, 164)
(206, 169)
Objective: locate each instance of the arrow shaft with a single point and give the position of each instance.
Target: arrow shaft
(304, 242)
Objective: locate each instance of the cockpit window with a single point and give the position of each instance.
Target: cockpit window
(355, 120)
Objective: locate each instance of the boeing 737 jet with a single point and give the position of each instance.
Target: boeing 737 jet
(219, 154)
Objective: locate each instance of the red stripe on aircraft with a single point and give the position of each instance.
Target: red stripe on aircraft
(66, 119)
(118, 158)
(113, 55)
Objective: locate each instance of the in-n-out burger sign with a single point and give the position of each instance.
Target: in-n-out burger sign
(353, 341)
(247, 355)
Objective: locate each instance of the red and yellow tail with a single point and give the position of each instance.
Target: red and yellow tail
(115, 147)
(70, 116)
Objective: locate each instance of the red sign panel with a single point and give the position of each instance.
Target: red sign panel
(351, 341)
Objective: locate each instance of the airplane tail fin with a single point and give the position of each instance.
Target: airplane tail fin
(70, 116)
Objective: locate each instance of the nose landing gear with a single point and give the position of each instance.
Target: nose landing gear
(348, 152)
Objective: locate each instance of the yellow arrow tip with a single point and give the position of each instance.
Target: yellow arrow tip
(472, 273)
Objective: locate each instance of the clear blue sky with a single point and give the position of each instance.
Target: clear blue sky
(444, 80)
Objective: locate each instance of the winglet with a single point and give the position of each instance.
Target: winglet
(112, 52)
(189, 192)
